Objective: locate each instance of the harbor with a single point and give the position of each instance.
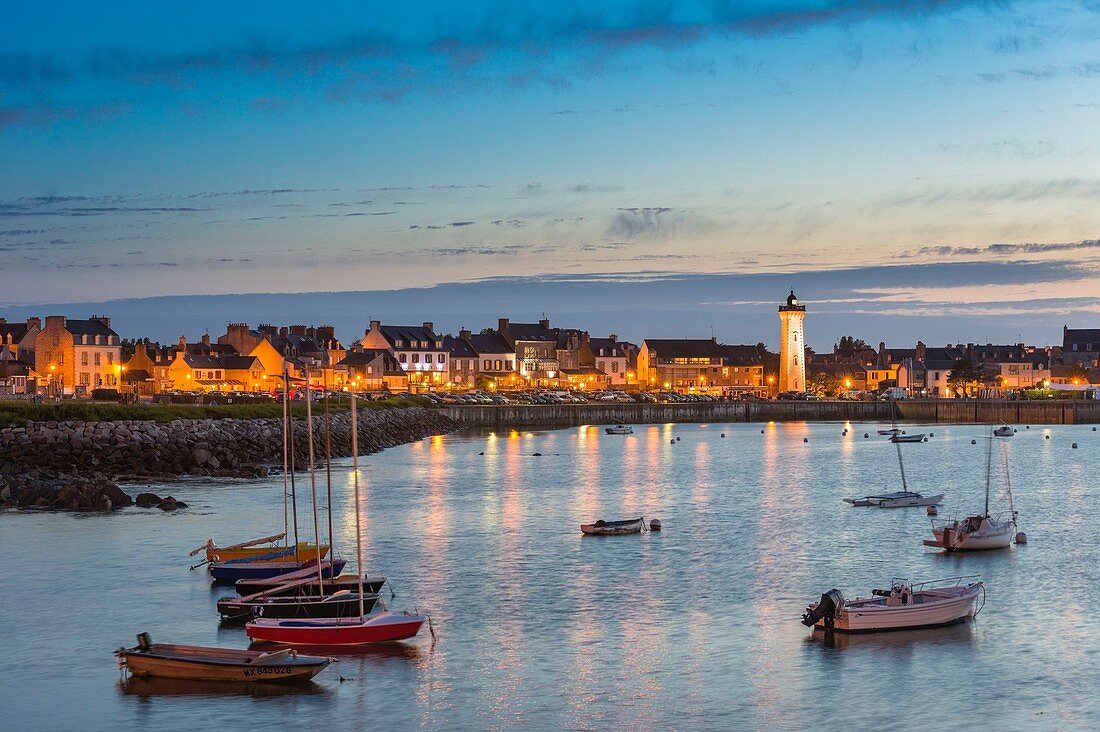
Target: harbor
(536, 624)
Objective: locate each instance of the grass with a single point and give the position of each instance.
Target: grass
(15, 413)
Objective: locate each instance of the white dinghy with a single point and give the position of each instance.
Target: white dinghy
(905, 606)
(898, 499)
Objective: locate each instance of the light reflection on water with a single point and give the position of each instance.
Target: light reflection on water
(695, 626)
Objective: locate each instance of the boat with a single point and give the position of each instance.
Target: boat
(248, 550)
(905, 606)
(201, 663)
(1004, 431)
(980, 532)
(340, 604)
(362, 629)
(898, 499)
(248, 569)
(907, 438)
(304, 582)
(609, 528)
(382, 627)
(620, 429)
(890, 432)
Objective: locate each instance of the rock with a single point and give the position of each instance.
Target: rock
(171, 504)
(147, 500)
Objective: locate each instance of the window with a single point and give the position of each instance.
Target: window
(96, 359)
(427, 358)
(487, 365)
(370, 369)
(500, 365)
(84, 379)
(401, 357)
(614, 368)
(508, 365)
(416, 358)
(442, 358)
(110, 359)
(83, 358)
(601, 366)
(217, 374)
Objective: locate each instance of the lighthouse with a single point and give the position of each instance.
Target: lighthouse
(792, 346)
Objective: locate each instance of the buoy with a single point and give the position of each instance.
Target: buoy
(536, 454)
(1047, 436)
(931, 434)
(973, 442)
(1074, 446)
(1021, 538)
(925, 440)
(481, 453)
(1093, 429)
(805, 439)
(1027, 427)
(932, 510)
(903, 432)
(655, 525)
(677, 439)
(1014, 430)
(672, 442)
(761, 431)
(723, 434)
(865, 435)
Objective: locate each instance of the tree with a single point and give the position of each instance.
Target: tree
(850, 344)
(771, 363)
(963, 376)
(825, 384)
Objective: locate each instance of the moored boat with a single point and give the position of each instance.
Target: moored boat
(238, 569)
(201, 663)
(341, 604)
(1004, 431)
(907, 438)
(304, 551)
(383, 627)
(898, 499)
(620, 429)
(608, 528)
(905, 606)
(889, 432)
(304, 582)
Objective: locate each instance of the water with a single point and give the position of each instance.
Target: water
(696, 626)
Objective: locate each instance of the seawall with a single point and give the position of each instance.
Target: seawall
(923, 410)
(73, 465)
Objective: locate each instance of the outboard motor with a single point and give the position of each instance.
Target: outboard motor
(828, 608)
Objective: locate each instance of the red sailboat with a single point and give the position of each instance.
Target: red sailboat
(379, 628)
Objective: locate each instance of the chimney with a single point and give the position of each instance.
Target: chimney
(56, 320)
(34, 323)
(298, 329)
(545, 323)
(375, 326)
(920, 351)
(206, 339)
(102, 319)
(182, 346)
(464, 334)
(3, 321)
(429, 326)
(613, 338)
(502, 325)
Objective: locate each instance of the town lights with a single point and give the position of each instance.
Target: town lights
(847, 383)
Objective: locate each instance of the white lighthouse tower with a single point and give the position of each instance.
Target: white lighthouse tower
(792, 346)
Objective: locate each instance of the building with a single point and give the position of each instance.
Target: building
(792, 344)
(612, 359)
(143, 375)
(1081, 346)
(19, 338)
(535, 346)
(705, 365)
(373, 369)
(73, 357)
(463, 360)
(420, 351)
(297, 349)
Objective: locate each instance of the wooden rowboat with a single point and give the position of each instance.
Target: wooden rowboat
(259, 549)
(304, 582)
(608, 528)
(238, 569)
(200, 663)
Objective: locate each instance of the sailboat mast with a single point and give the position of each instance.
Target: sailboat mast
(988, 470)
(313, 482)
(328, 478)
(293, 466)
(286, 508)
(904, 485)
(358, 521)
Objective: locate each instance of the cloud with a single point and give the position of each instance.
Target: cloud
(512, 223)
(639, 222)
(593, 188)
(1001, 248)
(1020, 191)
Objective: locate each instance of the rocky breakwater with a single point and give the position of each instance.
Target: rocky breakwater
(76, 465)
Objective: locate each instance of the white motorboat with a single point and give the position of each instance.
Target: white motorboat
(619, 429)
(907, 438)
(905, 606)
(979, 532)
(1004, 431)
(897, 499)
(890, 432)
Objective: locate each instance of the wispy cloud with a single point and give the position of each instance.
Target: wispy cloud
(1000, 248)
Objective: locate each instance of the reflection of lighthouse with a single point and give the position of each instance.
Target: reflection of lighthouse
(792, 346)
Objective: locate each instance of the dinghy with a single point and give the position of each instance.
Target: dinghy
(907, 438)
(1004, 431)
(621, 429)
(245, 569)
(199, 663)
(898, 499)
(608, 528)
(340, 604)
(890, 432)
(304, 582)
(905, 606)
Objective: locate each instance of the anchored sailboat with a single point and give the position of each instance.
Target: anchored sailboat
(898, 499)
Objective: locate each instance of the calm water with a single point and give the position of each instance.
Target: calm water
(695, 626)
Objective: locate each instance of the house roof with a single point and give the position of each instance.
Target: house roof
(406, 333)
(742, 355)
(459, 347)
(1082, 337)
(202, 361)
(239, 363)
(684, 348)
(999, 354)
(17, 331)
(91, 327)
(491, 342)
(606, 348)
(369, 356)
(531, 332)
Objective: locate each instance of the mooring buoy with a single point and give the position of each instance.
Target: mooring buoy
(1021, 538)
(655, 525)
(805, 439)
(1074, 446)
(932, 511)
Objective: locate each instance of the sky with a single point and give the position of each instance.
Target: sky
(532, 158)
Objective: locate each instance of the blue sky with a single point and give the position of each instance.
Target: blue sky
(241, 147)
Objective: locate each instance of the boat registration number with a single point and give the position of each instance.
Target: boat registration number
(267, 671)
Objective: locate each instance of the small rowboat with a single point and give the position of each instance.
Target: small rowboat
(899, 499)
(304, 582)
(199, 663)
(905, 606)
(383, 627)
(907, 438)
(238, 569)
(890, 432)
(608, 528)
(621, 429)
(1004, 431)
(342, 604)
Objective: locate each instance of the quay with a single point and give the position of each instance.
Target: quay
(956, 411)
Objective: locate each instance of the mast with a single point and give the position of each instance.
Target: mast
(904, 485)
(328, 479)
(988, 470)
(358, 521)
(313, 482)
(286, 508)
(293, 466)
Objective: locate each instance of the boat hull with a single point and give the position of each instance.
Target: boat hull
(344, 606)
(303, 551)
(229, 572)
(274, 588)
(954, 536)
(883, 618)
(907, 438)
(614, 528)
(219, 665)
(902, 502)
(384, 627)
